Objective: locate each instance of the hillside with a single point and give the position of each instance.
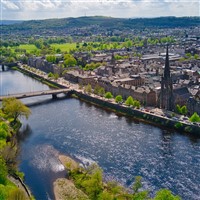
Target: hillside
(107, 23)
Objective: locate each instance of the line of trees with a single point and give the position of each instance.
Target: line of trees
(10, 112)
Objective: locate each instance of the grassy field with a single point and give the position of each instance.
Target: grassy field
(64, 47)
(28, 47)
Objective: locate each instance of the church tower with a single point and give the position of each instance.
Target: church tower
(166, 93)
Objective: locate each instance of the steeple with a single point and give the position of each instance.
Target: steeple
(166, 98)
(167, 67)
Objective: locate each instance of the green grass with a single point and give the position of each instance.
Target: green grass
(28, 47)
(64, 47)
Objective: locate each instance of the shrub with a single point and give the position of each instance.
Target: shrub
(108, 95)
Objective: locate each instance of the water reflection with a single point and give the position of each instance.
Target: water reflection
(24, 133)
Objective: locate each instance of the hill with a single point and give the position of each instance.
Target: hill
(107, 23)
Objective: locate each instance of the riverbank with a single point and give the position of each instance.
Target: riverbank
(11, 183)
(84, 183)
(155, 118)
(64, 188)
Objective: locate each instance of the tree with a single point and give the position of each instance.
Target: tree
(51, 58)
(137, 104)
(129, 101)
(97, 89)
(184, 110)
(194, 118)
(101, 91)
(118, 99)
(108, 95)
(69, 60)
(3, 171)
(14, 108)
(178, 109)
(165, 194)
(88, 89)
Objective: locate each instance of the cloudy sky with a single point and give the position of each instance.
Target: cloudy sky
(43, 9)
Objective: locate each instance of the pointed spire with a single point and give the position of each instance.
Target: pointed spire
(167, 67)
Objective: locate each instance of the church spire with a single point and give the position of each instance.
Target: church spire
(167, 67)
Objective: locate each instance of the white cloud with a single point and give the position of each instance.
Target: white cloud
(41, 9)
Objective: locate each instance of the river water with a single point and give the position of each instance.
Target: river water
(122, 147)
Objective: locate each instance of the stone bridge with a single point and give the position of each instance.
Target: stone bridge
(54, 94)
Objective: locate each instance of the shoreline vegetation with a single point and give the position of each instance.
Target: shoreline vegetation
(87, 183)
(11, 180)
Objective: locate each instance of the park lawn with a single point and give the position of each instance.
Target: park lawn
(28, 47)
(64, 47)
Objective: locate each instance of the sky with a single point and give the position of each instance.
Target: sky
(45, 9)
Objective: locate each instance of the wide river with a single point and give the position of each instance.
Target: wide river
(122, 147)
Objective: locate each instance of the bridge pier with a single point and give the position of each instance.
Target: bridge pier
(54, 96)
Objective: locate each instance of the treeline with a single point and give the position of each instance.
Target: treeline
(10, 111)
(103, 22)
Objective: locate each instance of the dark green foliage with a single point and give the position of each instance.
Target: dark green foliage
(178, 125)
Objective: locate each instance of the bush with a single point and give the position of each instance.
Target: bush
(194, 118)
(129, 101)
(108, 95)
(118, 99)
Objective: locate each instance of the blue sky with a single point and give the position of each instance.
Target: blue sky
(43, 9)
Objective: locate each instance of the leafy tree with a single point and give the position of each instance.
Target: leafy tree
(51, 58)
(118, 99)
(94, 185)
(196, 56)
(97, 89)
(50, 75)
(129, 101)
(137, 104)
(184, 110)
(108, 95)
(88, 89)
(14, 108)
(194, 118)
(101, 91)
(69, 60)
(3, 171)
(56, 76)
(165, 194)
(178, 109)
(181, 110)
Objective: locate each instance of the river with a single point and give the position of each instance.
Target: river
(122, 147)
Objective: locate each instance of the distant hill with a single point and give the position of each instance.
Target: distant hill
(104, 22)
(10, 22)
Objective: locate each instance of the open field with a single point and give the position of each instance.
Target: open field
(64, 47)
